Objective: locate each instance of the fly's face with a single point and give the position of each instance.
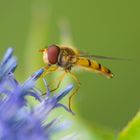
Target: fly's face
(45, 56)
(50, 54)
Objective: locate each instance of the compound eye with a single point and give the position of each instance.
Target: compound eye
(53, 52)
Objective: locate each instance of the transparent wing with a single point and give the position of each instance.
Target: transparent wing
(92, 56)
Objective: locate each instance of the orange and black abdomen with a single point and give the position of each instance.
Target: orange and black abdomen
(94, 66)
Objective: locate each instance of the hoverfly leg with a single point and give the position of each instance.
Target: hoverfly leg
(75, 91)
(58, 85)
(48, 70)
(61, 78)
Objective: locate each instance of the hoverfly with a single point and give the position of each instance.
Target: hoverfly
(67, 58)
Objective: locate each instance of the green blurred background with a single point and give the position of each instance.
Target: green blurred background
(110, 28)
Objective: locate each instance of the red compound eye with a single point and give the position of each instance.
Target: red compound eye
(53, 52)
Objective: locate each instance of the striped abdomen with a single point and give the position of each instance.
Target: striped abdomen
(94, 66)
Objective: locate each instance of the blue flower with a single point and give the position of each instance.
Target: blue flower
(17, 120)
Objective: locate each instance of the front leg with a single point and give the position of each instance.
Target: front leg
(49, 69)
